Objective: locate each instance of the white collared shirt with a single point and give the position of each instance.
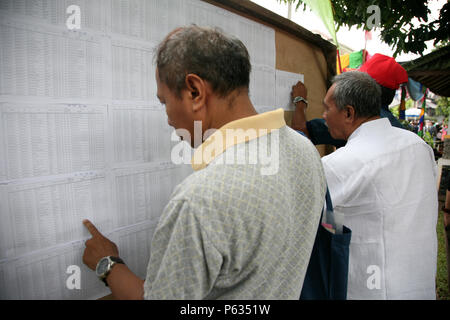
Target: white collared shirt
(384, 183)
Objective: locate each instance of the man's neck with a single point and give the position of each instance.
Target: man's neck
(236, 105)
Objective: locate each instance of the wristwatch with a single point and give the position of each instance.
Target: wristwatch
(298, 99)
(105, 265)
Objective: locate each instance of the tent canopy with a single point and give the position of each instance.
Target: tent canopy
(432, 70)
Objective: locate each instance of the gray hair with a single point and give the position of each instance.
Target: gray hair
(220, 59)
(358, 90)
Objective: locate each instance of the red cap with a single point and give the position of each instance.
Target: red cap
(385, 71)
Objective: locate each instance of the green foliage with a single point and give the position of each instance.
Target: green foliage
(397, 16)
(407, 125)
(409, 103)
(441, 274)
(395, 111)
(443, 107)
(428, 139)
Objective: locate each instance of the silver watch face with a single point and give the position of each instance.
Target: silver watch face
(102, 266)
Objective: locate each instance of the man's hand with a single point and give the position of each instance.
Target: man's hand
(123, 283)
(97, 247)
(299, 117)
(299, 90)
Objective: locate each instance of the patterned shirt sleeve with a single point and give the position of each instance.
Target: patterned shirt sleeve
(184, 264)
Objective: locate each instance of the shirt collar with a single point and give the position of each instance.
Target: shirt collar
(378, 124)
(237, 131)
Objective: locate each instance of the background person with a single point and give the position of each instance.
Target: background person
(383, 181)
(383, 69)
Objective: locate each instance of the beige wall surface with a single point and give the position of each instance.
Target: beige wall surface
(296, 55)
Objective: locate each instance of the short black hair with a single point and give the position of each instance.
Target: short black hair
(387, 95)
(220, 59)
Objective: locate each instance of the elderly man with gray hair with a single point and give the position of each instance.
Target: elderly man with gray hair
(384, 184)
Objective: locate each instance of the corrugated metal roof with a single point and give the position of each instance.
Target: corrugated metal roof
(432, 70)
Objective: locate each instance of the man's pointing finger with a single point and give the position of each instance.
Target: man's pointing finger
(91, 228)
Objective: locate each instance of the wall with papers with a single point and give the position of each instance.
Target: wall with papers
(82, 134)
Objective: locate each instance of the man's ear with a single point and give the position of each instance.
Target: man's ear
(196, 88)
(349, 113)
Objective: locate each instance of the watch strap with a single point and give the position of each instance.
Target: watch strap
(298, 99)
(115, 260)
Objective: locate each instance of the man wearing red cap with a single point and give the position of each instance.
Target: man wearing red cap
(383, 69)
(382, 182)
